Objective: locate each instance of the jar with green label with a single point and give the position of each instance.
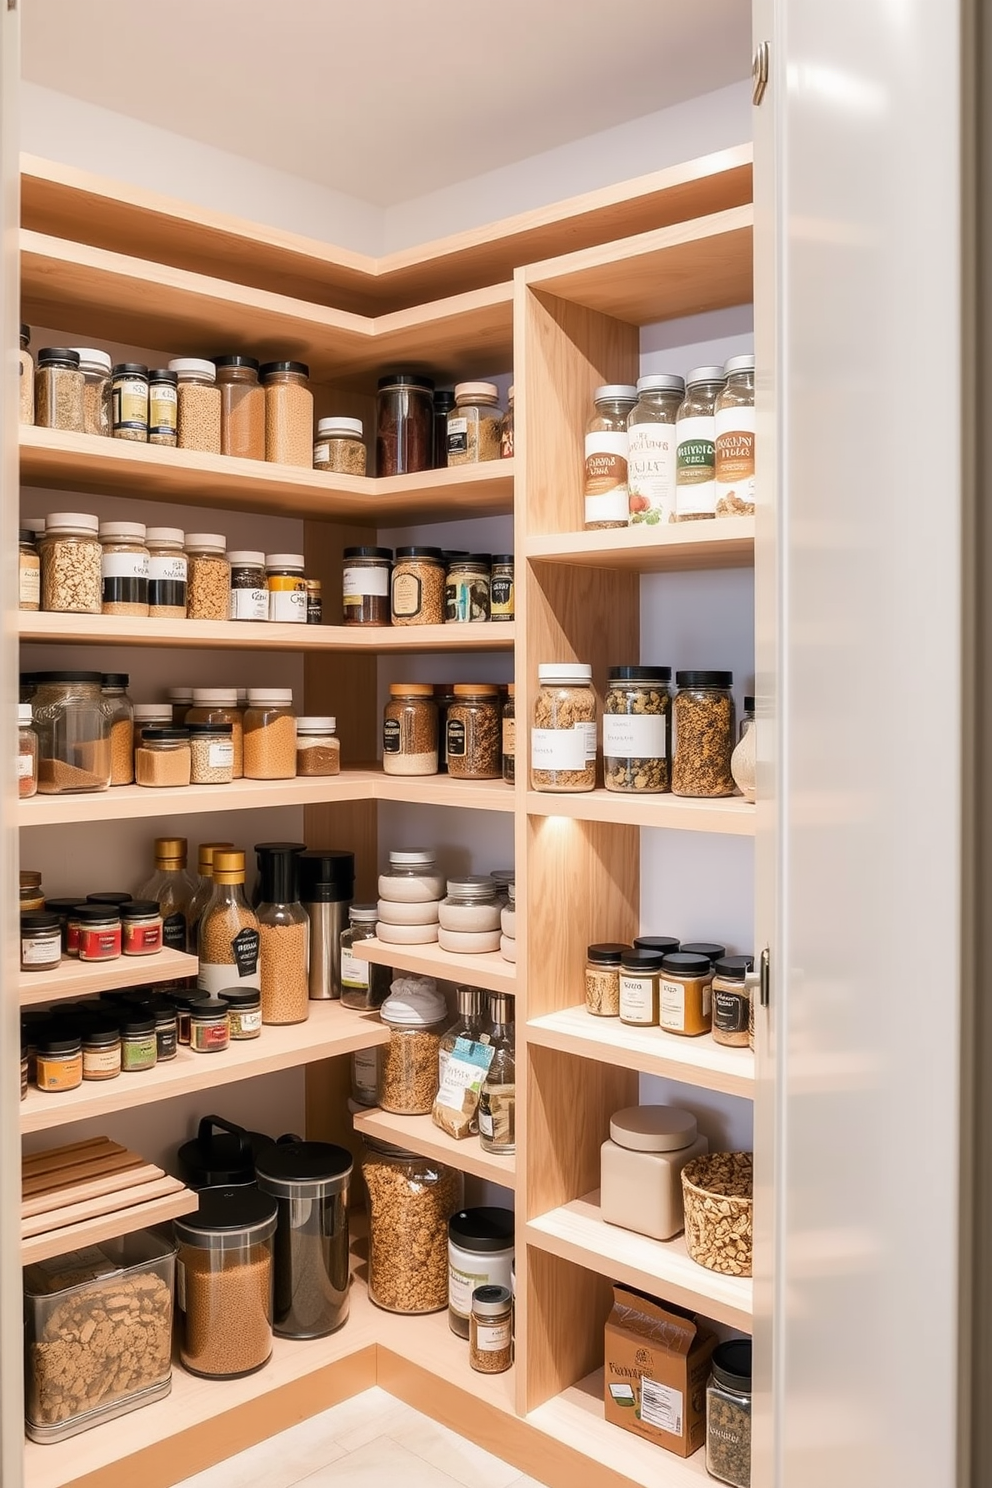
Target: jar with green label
(695, 446)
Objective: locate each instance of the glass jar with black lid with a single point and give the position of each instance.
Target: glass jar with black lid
(404, 439)
(365, 585)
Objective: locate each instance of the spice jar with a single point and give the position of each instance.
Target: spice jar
(416, 1015)
(225, 1282)
(607, 499)
(198, 406)
(444, 402)
(162, 757)
(59, 390)
(685, 993)
(506, 429)
(163, 407)
(284, 936)
(651, 449)
(731, 1000)
(315, 603)
(141, 927)
(704, 734)
(71, 563)
(365, 585)
(287, 587)
(211, 753)
(417, 587)
(636, 729)
(27, 753)
(404, 435)
(270, 734)
(227, 937)
(124, 568)
(603, 978)
(167, 573)
(474, 424)
(411, 1199)
(129, 402)
(209, 1025)
(639, 987)
(244, 1012)
(220, 705)
(95, 366)
(318, 749)
(467, 589)
(139, 1047)
(288, 413)
(26, 378)
(474, 733)
(490, 1346)
(309, 1181)
(501, 597)
(58, 1060)
(73, 731)
(208, 595)
(28, 571)
(641, 1168)
(338, 446)
(728, 1413)
(695, 447)
(734, 422)
(509, 736)
(41, 941)
(120, 711)
(242, 408)
(563, 739)
(409, 730)
(363, 985)
(101, 1050)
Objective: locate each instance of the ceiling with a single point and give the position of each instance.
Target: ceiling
(392, 99)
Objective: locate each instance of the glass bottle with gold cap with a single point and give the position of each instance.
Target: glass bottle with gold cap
(228, 936)
(203, 890)
(172, 888)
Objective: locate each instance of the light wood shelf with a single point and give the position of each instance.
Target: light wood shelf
(692, 1061)
(727, 542)
(487, 970)
(329, 1031)
(75, 978)
(419, 1134)
(84, 462)
(730, 815)
(577, 1232)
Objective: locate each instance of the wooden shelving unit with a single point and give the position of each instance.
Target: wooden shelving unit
(727, 543)
(419, 1134)
(488, 970)
(730, 815)
(74, 978)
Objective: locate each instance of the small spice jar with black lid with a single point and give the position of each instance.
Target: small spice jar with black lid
(490, 1346)
(59, 1059)
(163, 407)
(365, 585)
(101, 1049)
(129, 402)
(59, 390)
(163, 1010)
(99, 932)
(501, 599)
(141, 927)
(209, 1025)
(639, 972)
(139, 1046)
(244, 1010)
(708, 948)
(728, 1413)
(41, 941)
(685, 993)
(731, 1000)
(603, 978)
(705, 736)
(249, 590)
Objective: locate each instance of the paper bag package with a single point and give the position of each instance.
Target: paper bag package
(657, 1364)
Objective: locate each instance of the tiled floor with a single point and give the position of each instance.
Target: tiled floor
(370, 1441)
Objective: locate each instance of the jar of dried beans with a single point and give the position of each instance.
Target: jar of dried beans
(417, 1015)
(607, 501)
(467, 594)
(563, 738)
(365, 585)
(124, 568)
(411, 1199)
(636, 737)
(73, 732)
(167, 572)
(120, 711)
(219, 705)
(129, 402)
(735, 426)
(338, 446)
(208, 593)
(704, 734)
(417, 587)
(95, 366)
(288, 413)
(651, 448)
(404, 439)
(198, 405)
(695, 447)
(318, 748)
(59, 390)
(163, 407)
(474, 733)
(409, 730)
(242, 408)
(474, 424)
(225, 1291)
(270, 734)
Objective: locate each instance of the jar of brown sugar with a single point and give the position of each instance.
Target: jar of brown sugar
(365, 585)
(162, 757)
(242, 408)
(338, 446)
(270, 734)
(417, 591)
(474, 733)
(318, 749)
(409, 730)
(288, 413)
(208, 593)
(120, 711)
(198, 405)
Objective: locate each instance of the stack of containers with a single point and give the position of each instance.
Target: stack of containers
(508, 925)
(409, 897)
(470, 916)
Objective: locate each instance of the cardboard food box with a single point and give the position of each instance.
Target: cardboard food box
(657, 1365)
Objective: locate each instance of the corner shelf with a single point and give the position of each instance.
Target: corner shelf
(75, 978)
(730, 815)
(488, 970)
(419, 1134)
(725, 542)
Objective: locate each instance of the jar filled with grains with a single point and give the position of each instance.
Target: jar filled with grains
(227, 937)
(318, 749)
(607, 498)
(219, 705)
(208, 594)
(501, 597)
(288, 413)
(73, 732)
(467, 589)
(162, 757)
(287, 587)
(563, 739)
(728, 1413)
(474, 424)
(211, 753)
(411, 1199)
(163, 407)
(695, 452)
(198, 405)
(509, 736)
(95, 366)
(27, 753)
(124, 568)
(704, 734)
(636, 729)
(404, 437)
(59, 390)
(242, 422)
(338, 446)
(409, 730)
(167, 571)
(417, 588)
(365, 585)
(603, 978)
(651, 448)
(734, 424)
(26, 378)
(249, 592)
(417, 1015)
(28, 571)
(120, 711)
(129, 402)
(270, 734)
(225, 1300)
(474, 733)
(284, 936)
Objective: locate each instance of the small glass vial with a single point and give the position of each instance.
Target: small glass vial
(28, 571)
(198, 405)
(468, 590)
(285, 580)
(734, 420)
(607, 500)
(490, 1339)
(209, 1025)
(509, 736)
(563, 738)
(363, 986)
(141, 927)
(639, 987)
(101, 1051)
(731, 1000)
(651, 456)
(409, 730)
(249, 591)
(704, 734)
(244, 1011)
(339, 447)
(728, 1413)
(318, 748)
(506, 430)
(163, 407)
(124, 569)
(365, 585)
(473, 733)
(58, 1061)
(242, 423)
(603, 978)
(59, 390)
(695, 446)
(41, 941)
(208, 595)
(99, 932)
(641, 1169)
(501, 596)
(685, 993)
(27, 753)
(167, 573)
(139, 1046)
(95, 366)
(129, 402)
(474, 424)
(26, 378)
(288, 413)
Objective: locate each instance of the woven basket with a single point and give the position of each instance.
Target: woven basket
(717, 1191)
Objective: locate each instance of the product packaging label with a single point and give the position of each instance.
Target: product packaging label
(365, 1067)
(509, 737)
(220, 755)
(562, 749)
(606, 492)
(355, 973)
(651, 466)
(730, 1011)
(391, 736)
(249, 604)
(162, 405)
(735, 461)
(172, 569)
(457, 436)
(214, 977)
(661, 1406)
(501, 599)
(464, 1071)
(289, 605)
(635, 735)
(461, 1285)
(671, 1006)
(129, 401)
(492, 1338)
(636, 999)
(407, 596)
(357, 582)
(41, 952)
(124, 566)
(25, 766)
(455, 738)
(29, 588)
(245, 947)
(174, 932)
(695, 494)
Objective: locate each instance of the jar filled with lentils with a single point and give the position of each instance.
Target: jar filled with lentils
(636, 729)
(704, 734)
(288, 413)
(242, 408)
(129, 402)
(270, 734)
(409, 730)
(365, 585)
(71, 561)
(198, 405)
(208, 593)
(467, 589)
(338, 446)
(417, 587)
(95, 366)
(59, 390)
(124, 568)
(563, 738)
(474, 733)
(167, 570)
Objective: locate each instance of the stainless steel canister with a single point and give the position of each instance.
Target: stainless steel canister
(327, 888)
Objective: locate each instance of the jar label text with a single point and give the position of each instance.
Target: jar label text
(635, 736)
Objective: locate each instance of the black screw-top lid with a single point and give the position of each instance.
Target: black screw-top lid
(663, 944)
(55, 354)
(239, 997)
(680, 963)
(502, 558)
(140, 907)
(199, 729)
(607, 953)
(731, 1364)
(483, 1229)
(704, 679)
(280, 877)
(444, 400)
(228, 1218)
(419, 552)
(208, 1007)
(93, 914)
(406, 379)
(297, 1170)
(640, 674)
(327, 875)
(102, 1031)
(61, 907)
(116, 679)
(39, 920)
(222, 1153)
(735, 968)
(26, 333)
(235, 361)
(164, 374)
(171, 735)
(748, 703)
(42, 677)
(162, 1008)
(484, 558)
(137, 1026)
(269, 368)
(454, 555)
(115, 898)
(635, 960)
(62, 1040)
(369, 553)
(130, 369)
(706, 948)
(25, 535)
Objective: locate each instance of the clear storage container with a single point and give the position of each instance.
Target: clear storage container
(199, 404)
(167, 573)
(285, 580)
(404, 440)
(474, 424)
(695, 446)
(71, 559)
(95, 366)
(26, 378)
(416, 1015)
(411, 1200)
(124, 568)
(208, 594)
(338, 446)
(318, 748)
(607, 501)
(309, 1182)
(636, 729)
(220, 705)
(651, 450)
(734, 421)
(163, 405)
(242, 408)
(288, 413)
(73, 732)
(225, 1282)
(59, 390)
(409, 730)
(365, 585)
(129, 402)
(120, 711)
(563, 738)
(473, 742)
(704, 734)
(270, 734)
(728, 1414)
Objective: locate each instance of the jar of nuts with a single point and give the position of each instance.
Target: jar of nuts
(563, 738)
(411, 1200)
(473, 733)
(208, 593)
(71, 563)
(636, 738)
(704, 734)
(417, 1015)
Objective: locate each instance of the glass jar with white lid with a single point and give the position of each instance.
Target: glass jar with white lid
(416, 1014)
(735, 429)
(318, 748)
(412, 878)
(167, 570)
(563, 736)
(95, 366)
(651, 448)
(695, 446)
(339, 447)
(199, 400)
(470, 916)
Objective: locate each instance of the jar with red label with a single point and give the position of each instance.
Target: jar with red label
(99, 932)
(209, 1025)
(141, 927)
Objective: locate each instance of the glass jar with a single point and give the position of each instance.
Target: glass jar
(101, 1051)
(471, 1022)
(163, 758)
(365, 585)
(651, 451)
(501, 596)
(744, 760)
(411, 1199)
(498, 1097)
(225, 1300)
(141, 927)
(59, 390)
(58, 1061)
(404, 435)
(417, 587)
(270, 734)
(563, 739)
(470, 909)
(315, 603)
(506, 430)
(409, 730)
(220, 705)
(164, 1013)
(209, 1025)
(509, 736)
(124, 569)
(474, 733)
(163, 407)
(129, 402)
(309, 1181)
(73, 732)
(244, 1012)
(27, 753)
(365, 1078)
(474, 424)
(41, 941)
(284, 936)
(695, 446)
(731, 1000)
(704, 734)
(287, 587)
(412, 878)
(490, 1345)
(444, 402)
(180, 701)
(139, 1047)
(728, 1413)
(637, 749)
(603, 978)
(508, 908)
(685, 993)
(639, 972)
(288, 413)
(28, 571)
(167, 573)
(318, 748)
(208, 595)
(211, 753)
(249, 591)
(26, 378)
(338, 446)
(467, 589)
(198, 406)
(363, 985)
(120, 711)
(641, 1166)
(416, 1016)
(71, 558)
(242, 408)
(95, 366)
(734, 421)
(480, 1254)
(98, 932)
(32, 894)
(607, 499)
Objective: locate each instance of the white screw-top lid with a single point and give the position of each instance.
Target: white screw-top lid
(739, 364)
(661, 382)
(225, 696)
(363, 914)
(215, 540)
(85, 520)
(193, 366)
(180, 694)
(653, 1128)
(248, 559)
(152, 712)
(92, 359)
(316, 725)
(258, 696)
(472, 886)
(564, 671)
(615, 392)
(346, 427)
(24, 712)
(34, 524)
(165, 535)
(285, 560)
(415, 1003)
(704, 374)
(469, 390)
(412, 859)
(112, 531)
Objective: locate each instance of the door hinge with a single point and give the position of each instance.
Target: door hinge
(759, 72)
(765, 978)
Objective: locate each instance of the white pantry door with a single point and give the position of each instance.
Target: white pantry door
(860, 652)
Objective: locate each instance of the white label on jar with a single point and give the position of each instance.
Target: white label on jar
(42, 952)
(172, 568)
(288, 605)
(365, 1068)
(25, 766)
(637, 999)
(492, 1338)
(634, 736)
(461, 1285)
(162, 401)
(735, 460)
(695, 457)
(671, 1006)
(220, 755)
(606, 494)
(661, 1406)
(651, 472)
(251, 1022)
(358, 582)
(213, 978)
(249, 604)
(29, 588)
(354, 973)
(559, 749)
(124, 565)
